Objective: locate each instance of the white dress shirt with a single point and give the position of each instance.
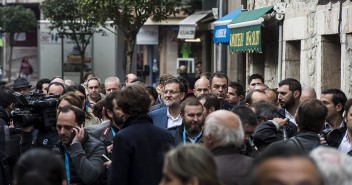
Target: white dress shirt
(171, 121)
(345, 145)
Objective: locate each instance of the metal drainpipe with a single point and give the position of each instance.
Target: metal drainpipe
(219, 63)
(279, 71)
(279, 66)
(340, 20)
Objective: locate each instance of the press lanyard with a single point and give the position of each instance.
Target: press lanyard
(113, 132)
(195, 138)
(67, 165)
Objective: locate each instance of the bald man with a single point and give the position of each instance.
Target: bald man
(223, 135)
(130, 78)
(201, 87)
(255, 96)
(307, 93)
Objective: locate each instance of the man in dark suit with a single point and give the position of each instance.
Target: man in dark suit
(174, 92)
(223, 135)
(139, 146)
(219, 87)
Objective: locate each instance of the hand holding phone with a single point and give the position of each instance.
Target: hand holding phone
(78, 134)
(105, 158)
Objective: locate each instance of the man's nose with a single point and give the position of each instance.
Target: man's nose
(195, 118)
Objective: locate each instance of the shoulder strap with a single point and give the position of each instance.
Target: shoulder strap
(105, 133)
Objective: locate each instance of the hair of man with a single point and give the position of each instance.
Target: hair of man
(57, 84)
(79, 113)
(248, 99)
(210, 101)
(217, 75)
(338, 96)
(189, 102)
(293, 85)
(255, 76)
(223, 136)
(311, 115)
(39, 165)
(7, 97)
(133, 100)
(246, 115)
(265, 111)
(177, 81)
(239, 88)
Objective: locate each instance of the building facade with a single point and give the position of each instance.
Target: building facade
(316, 46)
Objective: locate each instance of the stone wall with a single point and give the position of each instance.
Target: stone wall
(311, 31)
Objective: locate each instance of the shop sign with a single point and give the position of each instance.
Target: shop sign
(186, 32)
(148, 35)
(246, 39)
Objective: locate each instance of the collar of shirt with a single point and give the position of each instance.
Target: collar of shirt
(290, 117)
(328, 126)
(345, 145)
(171, 121)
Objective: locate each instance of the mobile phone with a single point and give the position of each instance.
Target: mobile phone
(73, 134)
(105, 158)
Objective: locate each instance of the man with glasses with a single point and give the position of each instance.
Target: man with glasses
(169, 116)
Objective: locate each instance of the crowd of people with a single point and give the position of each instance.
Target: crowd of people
(202, 131)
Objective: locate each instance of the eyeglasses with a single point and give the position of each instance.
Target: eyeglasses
(171, 92)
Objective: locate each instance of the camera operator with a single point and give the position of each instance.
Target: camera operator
(37, 118)
(9, 146)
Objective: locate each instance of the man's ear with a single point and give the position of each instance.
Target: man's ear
(241, 97)
(183, 95)
(296, 94)
(211, 109)
(339, 107)
(110, 114)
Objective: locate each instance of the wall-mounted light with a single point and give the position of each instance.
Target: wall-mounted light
(193, 40)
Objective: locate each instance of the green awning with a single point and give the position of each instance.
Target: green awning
(245, 31)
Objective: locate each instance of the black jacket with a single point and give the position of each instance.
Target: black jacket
(335, 137)
(138, 152)
(267, 133)
(10, 144)
(304, 140)
(39, 138)
(5, 167)
(4, 120)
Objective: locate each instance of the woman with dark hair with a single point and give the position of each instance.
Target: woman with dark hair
(39, 167)
(189, 164)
